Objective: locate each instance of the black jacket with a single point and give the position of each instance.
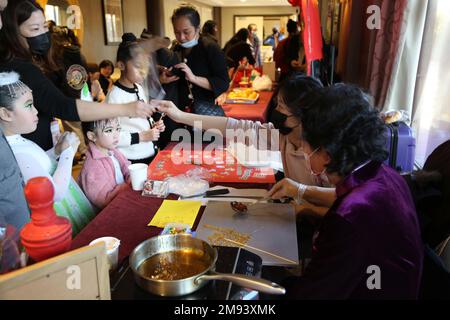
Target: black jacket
(205, 60)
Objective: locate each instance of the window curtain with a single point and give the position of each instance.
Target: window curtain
(400, 95)
(431, 105)
(383, 52)
(421, 79)
(367, 57)
(344, 36)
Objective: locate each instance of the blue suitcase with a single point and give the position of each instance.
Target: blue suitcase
(401, 146)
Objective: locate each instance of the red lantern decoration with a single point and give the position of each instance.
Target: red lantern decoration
(47, 235)
(312, 33)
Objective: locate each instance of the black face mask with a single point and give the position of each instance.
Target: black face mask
(40, 44)
(278, 120)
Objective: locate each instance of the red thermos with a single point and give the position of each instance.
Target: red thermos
(47, 235)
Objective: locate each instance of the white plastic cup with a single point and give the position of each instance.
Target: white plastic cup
(138, 174)
(112, 250)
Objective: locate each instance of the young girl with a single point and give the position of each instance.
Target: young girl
(137, 133)
(19, 116)
(105, 170)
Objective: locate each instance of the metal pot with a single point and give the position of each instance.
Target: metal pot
(174, 288)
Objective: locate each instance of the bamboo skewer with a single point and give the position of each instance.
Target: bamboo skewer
(260, 250)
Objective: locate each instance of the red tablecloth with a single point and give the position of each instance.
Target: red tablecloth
(219, 165)
(255, 112)
(126, 218)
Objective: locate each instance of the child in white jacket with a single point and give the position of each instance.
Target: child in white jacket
(138, 134)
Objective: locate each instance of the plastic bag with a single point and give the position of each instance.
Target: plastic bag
(156, 189)
(177, 228)
(262, 83)
(392, 116)
(192, 183)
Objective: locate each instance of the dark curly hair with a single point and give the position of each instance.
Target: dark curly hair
(342, 120)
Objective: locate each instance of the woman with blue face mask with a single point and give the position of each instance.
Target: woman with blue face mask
(202, 71)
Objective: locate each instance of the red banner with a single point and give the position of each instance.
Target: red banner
(312, 33)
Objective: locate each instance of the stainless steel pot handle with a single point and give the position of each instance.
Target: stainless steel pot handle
(253, 283)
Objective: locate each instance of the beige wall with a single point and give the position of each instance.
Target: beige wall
(228, 14)
(94, 48)
(135, 19)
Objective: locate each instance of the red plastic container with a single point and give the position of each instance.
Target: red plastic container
(47, 235)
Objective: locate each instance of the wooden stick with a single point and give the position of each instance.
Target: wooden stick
(260, 250)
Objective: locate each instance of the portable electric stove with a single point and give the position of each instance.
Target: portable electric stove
(230, 260)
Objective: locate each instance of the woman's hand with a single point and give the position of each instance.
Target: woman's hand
(286, 188)
(140, 109)
(149, 135)
(187, 71)
(220, 100)
(169, 108)
(67, 139)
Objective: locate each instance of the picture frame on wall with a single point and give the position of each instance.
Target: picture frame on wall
(113, 21)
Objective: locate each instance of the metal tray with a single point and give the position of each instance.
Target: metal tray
(242, 100)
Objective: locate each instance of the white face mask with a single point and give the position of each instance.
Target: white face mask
(325, 181)
(190, 44)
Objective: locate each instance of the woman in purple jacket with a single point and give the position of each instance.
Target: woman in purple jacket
(368, 244)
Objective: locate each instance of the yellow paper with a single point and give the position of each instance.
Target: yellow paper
(176, 211)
